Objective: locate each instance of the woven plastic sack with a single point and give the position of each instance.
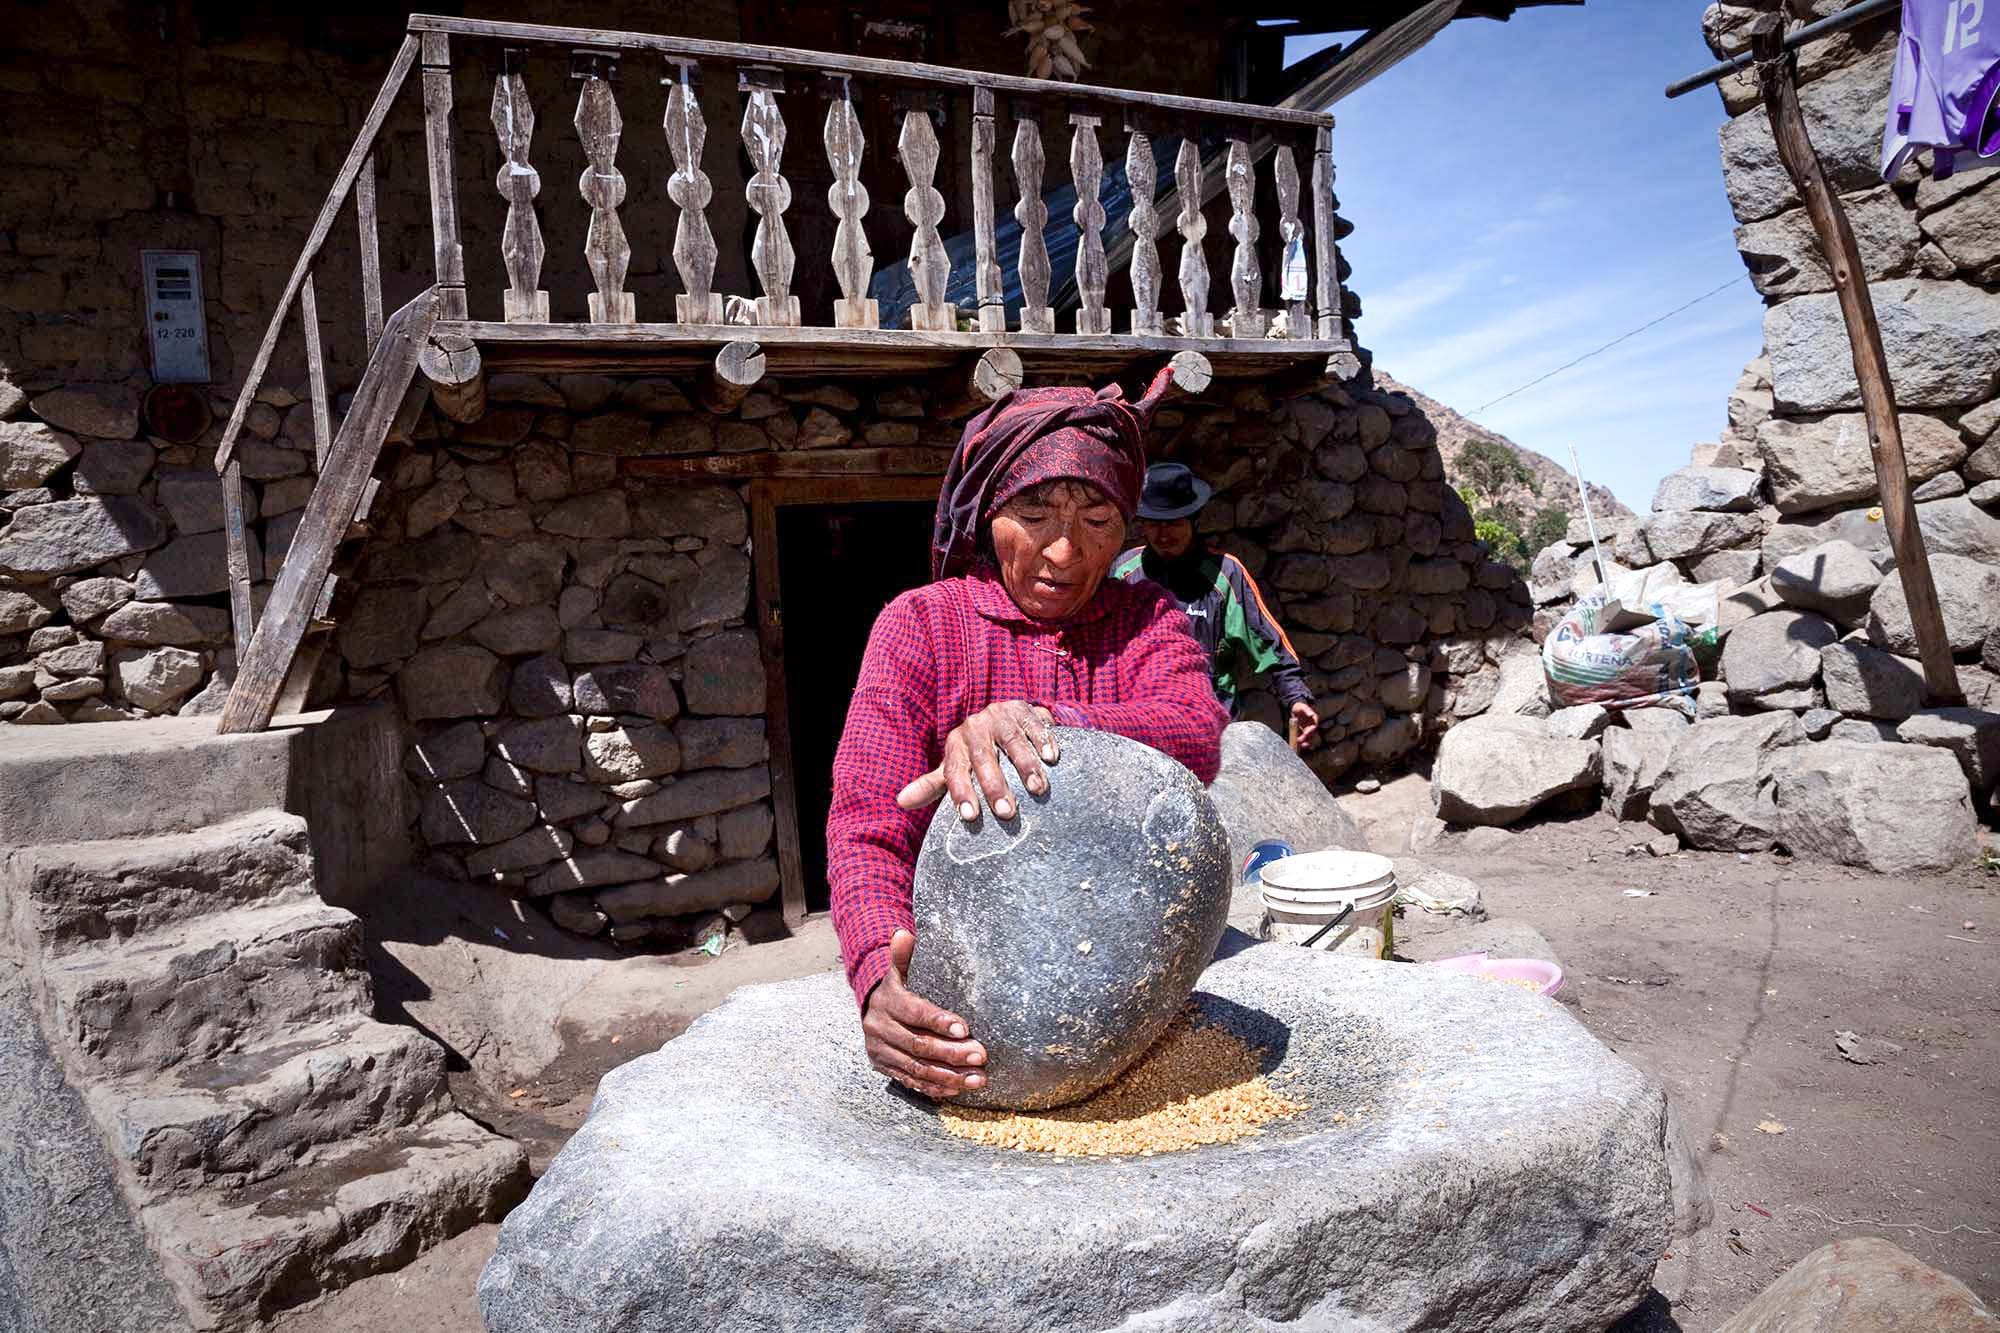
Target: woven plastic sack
(1650, 665)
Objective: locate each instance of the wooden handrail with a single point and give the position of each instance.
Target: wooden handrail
(941, 77)
(357, 156)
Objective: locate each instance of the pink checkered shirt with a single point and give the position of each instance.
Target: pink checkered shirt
(1126, 663)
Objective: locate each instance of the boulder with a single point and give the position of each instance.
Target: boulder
(1942, 338)
(66, 535)
(1729, 568)
(455, 752)
(1972, 735)
(1633, 762)
(1866, 682)
(1818, 723)
(1713, 488)
(469, 811)
(1967, 231)
(1825, 461)
(702, 891)
(1495, 769)
(156, 679)
(31, 453)
(1834, 578)
(25, 609)
(1895, 809)
(107, 411)
(1968, 593)
(722, 742)
(636, 688)
(1783, 253)
(696, 794)
(712, 513)
(625, 754)
(451, 680)
(1687, 536)
(1863, 1285)
(1715, 790)
(166, 623)
(546, 745)
(113, 467)
(725, 675)
(540, 687)
(196, 566)
(756, 1173)
(1524, 688)
(1580, 723)
(1070, 936)
(1745, 603)
(1773, 660)
(1844, 116)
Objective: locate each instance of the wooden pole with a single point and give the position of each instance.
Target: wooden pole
(1775, 77)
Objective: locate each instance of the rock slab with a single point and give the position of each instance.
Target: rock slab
(1069, 936)
(1495, 769)
(1895, 809)
(756, 1174)
(1863, 1285)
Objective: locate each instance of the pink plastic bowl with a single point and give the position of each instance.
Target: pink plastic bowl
(1548, 976)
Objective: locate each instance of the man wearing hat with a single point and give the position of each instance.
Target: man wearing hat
(1221, 600)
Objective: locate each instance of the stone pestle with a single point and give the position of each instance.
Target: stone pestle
(1069, 936)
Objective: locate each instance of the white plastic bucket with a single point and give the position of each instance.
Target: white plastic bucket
(1303, 894)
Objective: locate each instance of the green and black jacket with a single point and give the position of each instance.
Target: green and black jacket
(1228, 616)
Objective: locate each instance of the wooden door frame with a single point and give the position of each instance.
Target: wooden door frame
(767, 496)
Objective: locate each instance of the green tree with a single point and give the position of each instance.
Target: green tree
(1490, 467)
(1548, 526)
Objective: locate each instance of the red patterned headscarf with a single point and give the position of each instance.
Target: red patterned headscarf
(1031, 436)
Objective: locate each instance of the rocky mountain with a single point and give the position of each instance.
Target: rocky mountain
(1511, 481)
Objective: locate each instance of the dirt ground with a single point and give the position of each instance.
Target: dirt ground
(1725, 976)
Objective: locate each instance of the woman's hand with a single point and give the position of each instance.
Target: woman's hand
(971, 764)
(1305, 723)
(921, 1046)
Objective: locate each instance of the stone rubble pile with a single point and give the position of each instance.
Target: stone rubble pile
(1811, 731)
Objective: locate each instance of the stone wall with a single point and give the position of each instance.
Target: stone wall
(570, 641)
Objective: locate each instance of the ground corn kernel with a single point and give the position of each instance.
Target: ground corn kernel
(1199, 1084)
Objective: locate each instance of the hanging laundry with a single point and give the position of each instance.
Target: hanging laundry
(1945, 95)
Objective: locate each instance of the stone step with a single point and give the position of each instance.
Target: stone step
(252, 1113)
(237, 1259)
(65, 895)
(199, 990)
(66, 784)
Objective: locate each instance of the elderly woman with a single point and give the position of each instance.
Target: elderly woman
(1019, 631)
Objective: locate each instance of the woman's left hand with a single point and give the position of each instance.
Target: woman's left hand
(971, 766)
(1306, 724)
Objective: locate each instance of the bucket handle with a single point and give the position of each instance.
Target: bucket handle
(1320, 934)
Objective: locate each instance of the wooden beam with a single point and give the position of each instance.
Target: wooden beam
(261, 673)
(777, 704)
(914, 462)
(891, 72)
(364, 143)
(236, 546)
(1192, 375)
(322, 411)
(443, 175)
(971, 387)
(728, 381)
(1776, 72)
(451, 362)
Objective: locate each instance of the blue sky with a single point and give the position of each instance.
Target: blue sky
(1522, 192)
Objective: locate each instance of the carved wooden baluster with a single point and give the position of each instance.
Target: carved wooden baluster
(1246, 278)
(1037, 316)
(1142, 173)
(1292, 257)
(605, 248)
(521, 239)
(986, 250)
(930, 266)
(847, 198)
(1086, 169)
(1196, 321)
(689, 188)
(1326, 253)
(769, 195)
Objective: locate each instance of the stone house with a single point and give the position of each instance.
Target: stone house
(613, 585)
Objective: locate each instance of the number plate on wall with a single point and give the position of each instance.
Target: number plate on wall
(177, 326)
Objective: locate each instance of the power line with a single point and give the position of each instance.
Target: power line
(1608, 346)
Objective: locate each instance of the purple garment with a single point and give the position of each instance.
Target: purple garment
(1945, 95)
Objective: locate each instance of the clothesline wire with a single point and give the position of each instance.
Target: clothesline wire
(1608, 346)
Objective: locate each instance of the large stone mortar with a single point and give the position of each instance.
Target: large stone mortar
(1498, 1169)
(1069, 936)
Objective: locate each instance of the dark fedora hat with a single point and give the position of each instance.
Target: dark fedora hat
(1172, 492)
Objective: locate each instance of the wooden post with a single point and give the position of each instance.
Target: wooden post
(1032, 264)
(690, 189)
(322, 410)
(768, 194)
(444, 178)
(1775, 75)
(1086, 169)
(1143, 174)
(371, 252)
(1326, 249)
(600, 127)
(923, 205)
(521, 248)
(847, 200)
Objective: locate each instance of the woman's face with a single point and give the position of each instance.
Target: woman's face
(1054, 545)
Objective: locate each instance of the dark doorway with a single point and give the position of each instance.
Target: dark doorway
(839, 565)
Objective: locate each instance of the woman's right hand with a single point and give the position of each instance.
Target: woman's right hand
(971, 769)
(922, 1047)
